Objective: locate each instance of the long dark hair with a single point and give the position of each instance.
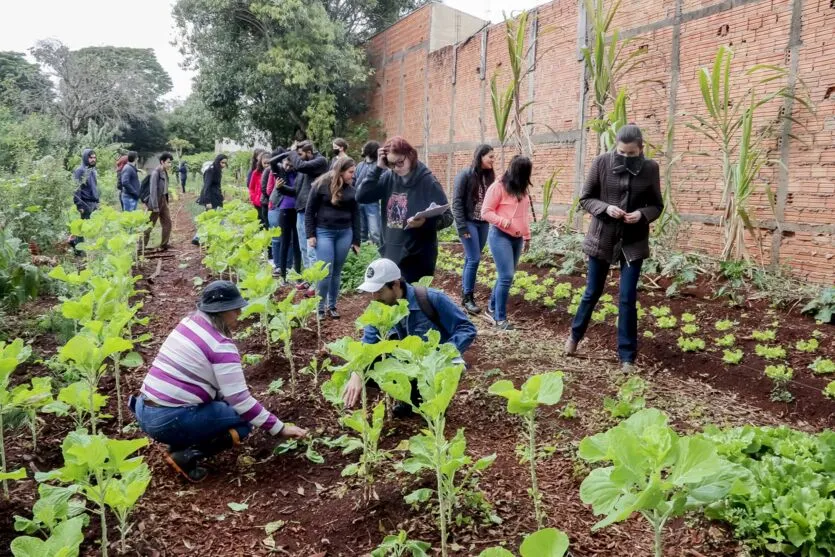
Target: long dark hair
(216, 164)
(332, 179)
(517, 178)
(256, 159)
(481, 175)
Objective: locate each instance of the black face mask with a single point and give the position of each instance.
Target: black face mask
(336, 152)
(633, 165)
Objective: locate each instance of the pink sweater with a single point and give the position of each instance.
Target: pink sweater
(500, 206)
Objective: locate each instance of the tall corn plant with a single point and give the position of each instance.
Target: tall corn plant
(729, 126)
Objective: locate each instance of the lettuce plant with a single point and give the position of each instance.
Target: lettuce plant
(630, 398)
(807, 345)
(399, 545)
(103, 470)
(726, 341)
(11, 356)
(693, 344)
(548, 542)
(770, 352)
(64, 541)
(781, 375)
(822, 366)
(829, 391)
(666, 322)
(690, 329)
(653, 471)
(539, 390)
(732, 357)
(763, 336)
(688, 318)
(724, 325)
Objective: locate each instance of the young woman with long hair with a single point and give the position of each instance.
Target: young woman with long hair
(332, 226)
(471, 186)
(506, 208)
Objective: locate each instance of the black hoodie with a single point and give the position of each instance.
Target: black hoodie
(402, 198)
(212, 192)
(308, 172)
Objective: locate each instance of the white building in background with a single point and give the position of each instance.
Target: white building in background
(228, 146)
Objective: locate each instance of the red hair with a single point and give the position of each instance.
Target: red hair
(399, 146)
(120, 164)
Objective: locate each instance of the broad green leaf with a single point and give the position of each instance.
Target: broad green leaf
(548, 542)
(273, 527)
(697, 460)
(237, 507)
(495, 552)
(132, 360)
(599, 491)
(18, 474)
(418, 496)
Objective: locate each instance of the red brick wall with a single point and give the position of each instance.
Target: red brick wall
(459, 112)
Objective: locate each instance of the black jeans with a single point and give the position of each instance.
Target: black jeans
(415, 267)
(287, 223)
(627, 309)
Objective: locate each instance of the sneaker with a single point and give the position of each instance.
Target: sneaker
(628, 368)
(570, 346)
(195, 242)
(277, 272)
(184, 462)
(490, 315)
(505, 326)
(333, 314)
(469, 304)
(402, 410)
(321, 313)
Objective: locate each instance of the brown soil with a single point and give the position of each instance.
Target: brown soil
(323, 512)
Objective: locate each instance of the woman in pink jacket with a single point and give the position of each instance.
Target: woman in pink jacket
(506, 208)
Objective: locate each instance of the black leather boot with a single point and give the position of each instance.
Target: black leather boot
(470, 305)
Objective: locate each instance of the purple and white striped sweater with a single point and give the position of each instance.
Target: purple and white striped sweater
(195, 364)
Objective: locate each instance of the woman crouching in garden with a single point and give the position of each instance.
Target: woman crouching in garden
(623, 195)
(194, 398)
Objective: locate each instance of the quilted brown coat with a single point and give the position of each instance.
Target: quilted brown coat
(613, 239)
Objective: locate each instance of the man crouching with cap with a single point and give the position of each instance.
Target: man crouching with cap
(428, 309)
(194, 398)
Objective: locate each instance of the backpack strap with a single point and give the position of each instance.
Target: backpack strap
(422, 295)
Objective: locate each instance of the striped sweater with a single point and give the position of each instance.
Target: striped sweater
(195, 365)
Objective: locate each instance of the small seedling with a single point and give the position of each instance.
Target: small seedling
(630, 398)
(693, 344)
(690, 329)
(688, 318)
(666, 322)
(807, 345)
(829, 391)
(725, 325)
(781, 375)
(770, 352)
(764, 336)
(822, 366)
(732, 357)
(726, 341)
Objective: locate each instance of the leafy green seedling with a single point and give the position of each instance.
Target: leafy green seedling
(258, 290)
(310, 453)
(122, 495)
(547, 542)
(770, 352)
(764, 336)
(659, 311)
(822, 366)
(649, 334)
(666, 322)
(807, 345)
(539, 390)
(829, 391)
(693, 344)
(732, 357)
(690, 329)
(11, 356)
(688, 318)
(317, 272)
(54, 505)
(399, 545)
(725, 325)
(31, 398)
(569, 411)
(315, 368)
(630, 398)
(84, 402)
(654, 472)
(726, 341)
(96, 465)
(781, 375)
(275, 386)
(64, 541)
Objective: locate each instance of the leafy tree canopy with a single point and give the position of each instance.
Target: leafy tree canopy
(23, 88)
(192, 121)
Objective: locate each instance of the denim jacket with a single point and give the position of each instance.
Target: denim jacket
(458, 329)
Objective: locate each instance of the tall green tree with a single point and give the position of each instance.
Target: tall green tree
(276, 67)
(103, 84)
(192, 121)
(363, 18)
(23, 87)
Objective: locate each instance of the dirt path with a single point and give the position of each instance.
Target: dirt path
(320, 510)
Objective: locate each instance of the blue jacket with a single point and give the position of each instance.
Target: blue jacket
(183, 171)
(458, 329)
(87, 194)
(130, 181)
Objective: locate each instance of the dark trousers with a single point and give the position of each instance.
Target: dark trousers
(627, 309)
(415, 267)
(287, 223)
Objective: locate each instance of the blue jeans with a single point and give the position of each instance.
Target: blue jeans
(308, 253)
(506, 250)
(332, 247)
(370, 222)
(188, 426)
(473, 246)
(627, 310)
(128, 203)
(275, 222)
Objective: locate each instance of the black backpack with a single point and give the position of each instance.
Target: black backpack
(145, 189)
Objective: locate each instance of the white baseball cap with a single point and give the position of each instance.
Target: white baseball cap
(378, 274)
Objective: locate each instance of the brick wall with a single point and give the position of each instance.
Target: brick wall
(440, 101)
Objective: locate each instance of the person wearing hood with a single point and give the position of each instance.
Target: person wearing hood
(120, 165)
(86, 196)
(211, 196)
(158, 200)
(406, 186)
(183, 175)
(369, 212)
(129, 178)
(310, 164)
(623, 195)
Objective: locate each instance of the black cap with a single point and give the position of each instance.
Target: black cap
(220, 296)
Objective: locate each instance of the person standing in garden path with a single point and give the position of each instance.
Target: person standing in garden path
(622, 193)
(369, 212)
(467, 199)
(158, 200)
(211, 196)
(506, 208)
(429, 309)
(282, 203)
(332, 228)
(262, 165)
(310, 164)
(405, 186)
(339, 151)
(183, 175)
(129, 179)
(86, 196)
(195, 398)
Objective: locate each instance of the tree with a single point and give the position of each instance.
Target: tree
(146, 137)
(103, 84)
(180, 145)
(23, 87)
(281, 69)
(364, 18)
(191, 121)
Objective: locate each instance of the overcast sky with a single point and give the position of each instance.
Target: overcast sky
(146, 24)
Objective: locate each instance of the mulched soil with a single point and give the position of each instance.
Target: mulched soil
(323, 512)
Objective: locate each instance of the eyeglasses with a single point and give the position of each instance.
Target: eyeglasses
(396, 164)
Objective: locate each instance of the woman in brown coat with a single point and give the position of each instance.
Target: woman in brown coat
(623, 195)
